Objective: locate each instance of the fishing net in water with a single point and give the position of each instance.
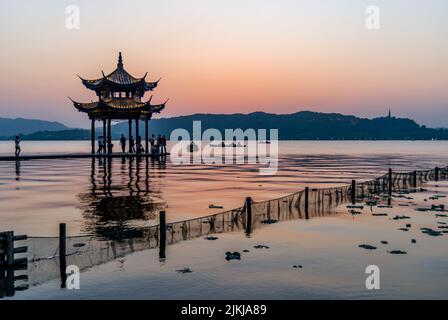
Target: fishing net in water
(84, 251)
(227, 221)
(299, 205)
(91, 250)
(88, 251)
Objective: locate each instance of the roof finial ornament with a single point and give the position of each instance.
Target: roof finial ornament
(120, 60)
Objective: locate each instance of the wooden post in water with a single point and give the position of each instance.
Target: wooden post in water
(437, 174)
(109, 136)
(92, 136)
(146, 136)
(7, 282)
(9, 244)
(414, 179)
(63, 253)
(248, 216)
(389, 199)
(104, 135)
(3, 284)
(353, 191)
(129, 135)
(390, 182)
(137, 133)
(2, 250)
(307, 195)
(162, 236)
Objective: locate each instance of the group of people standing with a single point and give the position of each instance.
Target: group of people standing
(157, 146)
(102, 145)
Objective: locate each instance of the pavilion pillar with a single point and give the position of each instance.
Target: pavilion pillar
(137, 134)
(130, 135)
(146, 136)
(104, 130)
(109, 136)
(104, 135)
(92, 136)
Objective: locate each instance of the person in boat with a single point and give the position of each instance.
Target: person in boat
(17, 146)
(193, 146)
(131, 145)
(123, 143)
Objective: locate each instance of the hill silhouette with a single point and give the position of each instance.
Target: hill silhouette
(304, 125)
(9, 127)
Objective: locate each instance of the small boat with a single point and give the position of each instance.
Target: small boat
(193, 147)
(232, 145)
(355, 207)
(212, 206)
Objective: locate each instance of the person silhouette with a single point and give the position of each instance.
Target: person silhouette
(131, 144)
(152, 141)
(159, 144)
(17, 146)
(123, 143)
(163, 140)
(100, 145)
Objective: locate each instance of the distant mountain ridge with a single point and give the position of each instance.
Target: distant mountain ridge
(10, 127)
(303, 125)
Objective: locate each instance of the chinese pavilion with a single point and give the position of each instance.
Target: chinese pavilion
(119, 98)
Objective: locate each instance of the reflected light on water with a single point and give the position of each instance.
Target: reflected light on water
(37, 195)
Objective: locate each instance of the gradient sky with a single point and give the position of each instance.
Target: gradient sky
(226, 56)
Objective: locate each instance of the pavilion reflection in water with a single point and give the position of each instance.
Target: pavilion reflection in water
(121, 199)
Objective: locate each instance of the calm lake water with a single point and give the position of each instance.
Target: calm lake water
(90, 195)
(37, 195)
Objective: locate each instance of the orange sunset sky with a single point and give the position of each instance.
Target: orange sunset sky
(230, 56)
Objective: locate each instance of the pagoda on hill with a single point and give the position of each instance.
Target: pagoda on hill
(119, 98)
